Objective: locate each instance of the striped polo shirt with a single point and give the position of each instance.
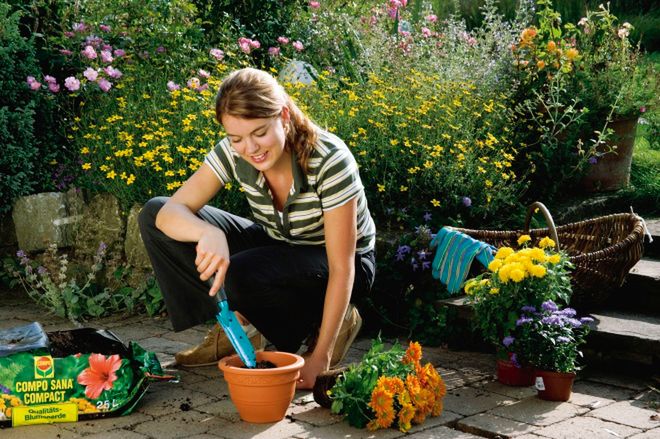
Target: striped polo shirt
(332, 181)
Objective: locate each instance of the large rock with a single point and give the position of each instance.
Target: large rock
(45, 218)
(102, 221)
(298, 71)
(136, 254)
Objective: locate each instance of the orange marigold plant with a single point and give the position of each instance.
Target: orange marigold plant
(389, 388)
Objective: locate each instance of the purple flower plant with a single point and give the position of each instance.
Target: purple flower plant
(508, 341)
(467, 202)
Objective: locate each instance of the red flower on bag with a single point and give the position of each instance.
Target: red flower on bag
(100, 375)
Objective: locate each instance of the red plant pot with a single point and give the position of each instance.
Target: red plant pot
(554, 386)
(262, 395)
(509, 374)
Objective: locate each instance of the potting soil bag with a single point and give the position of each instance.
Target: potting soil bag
(66, 376)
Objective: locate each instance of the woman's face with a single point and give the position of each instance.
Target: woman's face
(260, 142)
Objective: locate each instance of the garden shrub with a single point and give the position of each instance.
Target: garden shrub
(20, 160)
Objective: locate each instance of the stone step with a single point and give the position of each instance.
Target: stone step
(631, 337)
(640, 291)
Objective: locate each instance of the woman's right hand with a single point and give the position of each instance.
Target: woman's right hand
(212, 257)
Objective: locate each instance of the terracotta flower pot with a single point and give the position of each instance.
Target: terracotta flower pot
(509, 374)
(554, 386)
(262, 395)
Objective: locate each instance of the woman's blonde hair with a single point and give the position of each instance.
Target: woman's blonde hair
(254, 94)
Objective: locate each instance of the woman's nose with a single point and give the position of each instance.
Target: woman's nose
(251, 146)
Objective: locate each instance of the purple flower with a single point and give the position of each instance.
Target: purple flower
(160, 49)
(93, 40)
(568, 312)
(79, 27)
(104, 84)
(171, 86)
(426, 265)
(467, 202)
(574, 323)
(71, 83)
(89, 52)
(508, 341)
(593, 160)
(563, 339)
(107, 47)
(422, 254)
(91, 74)
(585, 320)
(49, 79)
(21, 254)
(552, 320)
(528, 309)
(514, 360)
(403, 249)
(69, 34)
(119, 52)
(427, 216)
(399, 257)
(549, 305)
(41, 270)
(102, 248)
(523, 320)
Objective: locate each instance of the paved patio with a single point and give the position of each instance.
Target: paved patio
(602, 406)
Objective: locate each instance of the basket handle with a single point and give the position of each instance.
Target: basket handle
(548, 219)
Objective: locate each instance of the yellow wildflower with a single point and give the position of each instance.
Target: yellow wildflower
(554, 259)
(87, 166)
(517, 274)
(494, 290)
(523, 239)
(546, 242)
(538, 270)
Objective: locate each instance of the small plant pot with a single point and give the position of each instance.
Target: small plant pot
(554, 386)
(510, 375)
(262, 395)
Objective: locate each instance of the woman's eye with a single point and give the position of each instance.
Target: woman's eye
(260, 134)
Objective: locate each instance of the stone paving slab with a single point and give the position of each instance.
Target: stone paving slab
(488, 425)
(586, 427)
(538, 412)
(624, 412)
(199, 407)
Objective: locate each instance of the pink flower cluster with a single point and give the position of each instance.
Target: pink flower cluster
(297, 46)
(393, 7)
(247, 45)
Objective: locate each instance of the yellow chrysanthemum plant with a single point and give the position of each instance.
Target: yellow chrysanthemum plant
(530, 275)
(389, 388)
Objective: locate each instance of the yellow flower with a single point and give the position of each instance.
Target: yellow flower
(552, 46)
(504, 273)
(111, 175)
(537, 254)
(554, 259)
(540, 64)
(546, 242)
(517, 275)
(494, 290)
(523, 239)
(435, 202)
(381, 187)
(503, 252)
(406, 414)
(86, 166)
(495, 265)
(571, 53)
(538, 270)
(469, 285)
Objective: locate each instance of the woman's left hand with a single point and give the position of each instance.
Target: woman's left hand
(312, 368)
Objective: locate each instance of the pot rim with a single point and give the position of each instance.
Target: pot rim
(225, 366)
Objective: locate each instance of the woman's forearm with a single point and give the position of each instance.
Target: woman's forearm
(178, 222)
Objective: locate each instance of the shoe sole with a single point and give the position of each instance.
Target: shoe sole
(349, 342)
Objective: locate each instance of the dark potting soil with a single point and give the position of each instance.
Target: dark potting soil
(265, 364)
(85, 340)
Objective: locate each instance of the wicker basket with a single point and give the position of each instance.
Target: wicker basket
(603, 250)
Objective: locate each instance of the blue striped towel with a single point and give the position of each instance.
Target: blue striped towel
(454, 254)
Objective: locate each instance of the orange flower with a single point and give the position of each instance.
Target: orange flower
(540, 64)
(406, 415)
(100, 375)
(381, 400)
(552, 46)
(413, 353)
(437, 407)
(412, 385)
(393, 385)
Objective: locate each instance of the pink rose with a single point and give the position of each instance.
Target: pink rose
(431, 18)
(71, 83)
(104, 84)
(283, 40)
(273, 51)
(106, 56)
(91, 74)
(66, 52)
(244, 44)
(314, 5)
(49, 79)
(298, 46)
(105, 28)
(171, 86)
(112, 72)
(203, 73)
(89, 52)
(255, 44)
(119, 53)
(217, 54)
(54, 87)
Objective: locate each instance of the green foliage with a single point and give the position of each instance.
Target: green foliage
(24, 158)
(82, 296)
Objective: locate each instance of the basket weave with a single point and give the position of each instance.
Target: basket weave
(603, 250)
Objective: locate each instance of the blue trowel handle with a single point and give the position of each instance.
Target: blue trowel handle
(234, 331)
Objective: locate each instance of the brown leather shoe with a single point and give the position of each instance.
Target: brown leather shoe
(215, 346)
(349, 329)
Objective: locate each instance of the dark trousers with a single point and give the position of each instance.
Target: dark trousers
(278, 287)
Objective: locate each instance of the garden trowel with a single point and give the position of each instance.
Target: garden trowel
(234, 331)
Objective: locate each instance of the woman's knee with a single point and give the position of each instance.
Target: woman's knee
(147, 216)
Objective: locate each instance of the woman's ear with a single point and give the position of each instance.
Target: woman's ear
(286, 115)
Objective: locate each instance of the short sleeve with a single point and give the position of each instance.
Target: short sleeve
(221, 161)
(338, 180)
